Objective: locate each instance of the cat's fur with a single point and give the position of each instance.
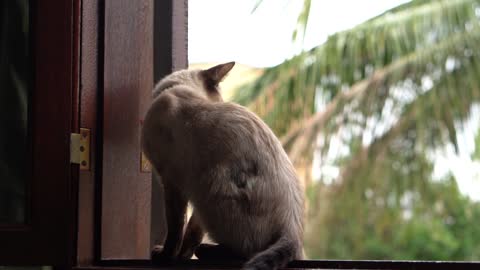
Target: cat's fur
(229, 165)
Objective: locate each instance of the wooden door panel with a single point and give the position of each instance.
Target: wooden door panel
(128, 82)
(117, 219)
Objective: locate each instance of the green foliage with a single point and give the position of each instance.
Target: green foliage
(368, 218)
(389, 90)
(302, 22)
(476, 154)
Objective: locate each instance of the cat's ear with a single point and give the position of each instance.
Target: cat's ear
(214, 75)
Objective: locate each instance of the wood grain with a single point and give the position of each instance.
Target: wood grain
(88, 119)
(128, 81)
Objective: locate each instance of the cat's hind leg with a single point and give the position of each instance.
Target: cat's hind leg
(175, 210)
(192, 238)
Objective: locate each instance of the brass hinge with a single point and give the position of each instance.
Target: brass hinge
(80, 149)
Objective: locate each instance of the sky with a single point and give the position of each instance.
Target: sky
(226, 30)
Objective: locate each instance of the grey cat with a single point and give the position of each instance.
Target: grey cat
(229, 165)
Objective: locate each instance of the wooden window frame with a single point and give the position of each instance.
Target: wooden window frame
(77, 34)
(106, 73)
(47, 237)
(170, 53)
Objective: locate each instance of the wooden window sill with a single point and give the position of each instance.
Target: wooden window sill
(304, 264)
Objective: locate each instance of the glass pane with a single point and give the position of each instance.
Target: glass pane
(14, 93)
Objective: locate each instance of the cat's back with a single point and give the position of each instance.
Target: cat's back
(229, 137)
(237, 130)
(258, 191)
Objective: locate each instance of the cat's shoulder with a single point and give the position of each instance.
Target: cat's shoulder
(164, 103)
(175, 98)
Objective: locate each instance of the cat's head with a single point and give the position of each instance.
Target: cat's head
(203, 82)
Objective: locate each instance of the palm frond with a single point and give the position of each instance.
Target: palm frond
(359, 69)
(364, 96)
(302, 22)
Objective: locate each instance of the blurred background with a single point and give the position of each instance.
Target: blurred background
(377, 103)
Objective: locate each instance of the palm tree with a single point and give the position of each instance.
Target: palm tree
(375, 100)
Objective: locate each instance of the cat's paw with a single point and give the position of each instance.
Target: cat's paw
(186, 253)
(159, 256)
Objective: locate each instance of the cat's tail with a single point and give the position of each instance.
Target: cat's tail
(278, 255)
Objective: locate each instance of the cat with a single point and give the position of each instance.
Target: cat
(230, 166)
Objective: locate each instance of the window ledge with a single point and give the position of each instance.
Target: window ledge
(304, 264)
